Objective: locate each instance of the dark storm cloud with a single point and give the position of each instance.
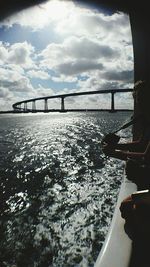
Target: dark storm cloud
(73, 68)
(124, 76)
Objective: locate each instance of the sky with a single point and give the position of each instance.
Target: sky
(60, 47)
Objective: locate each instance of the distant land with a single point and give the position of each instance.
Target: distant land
(7, 111)
(62, 111)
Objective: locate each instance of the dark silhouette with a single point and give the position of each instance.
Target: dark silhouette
(135, 209)
(136, 153)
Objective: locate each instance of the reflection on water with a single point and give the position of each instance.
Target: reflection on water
(58, 190)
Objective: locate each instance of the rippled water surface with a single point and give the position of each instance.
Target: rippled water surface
(58, 190)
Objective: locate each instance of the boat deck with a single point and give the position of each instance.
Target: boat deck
(117, 249)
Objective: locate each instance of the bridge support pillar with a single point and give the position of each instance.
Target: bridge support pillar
(33, 106)
(112, 102)
(25, 106)
(45, 104)
(62, 104)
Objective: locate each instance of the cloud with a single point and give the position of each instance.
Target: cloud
(10, 74)
(92, 83)
(40, 74)
(49, 12)
(124, 76)
(66, 18)
(4, 92)
(19, 85)
(85, 48)
(13, 81)
(93, 23)
(76, 56)
(6, 98)
(78, 67)
(78, 48)
(42, 91)
(18, 54)
(64, 78)
(3, 53)
(96, 82)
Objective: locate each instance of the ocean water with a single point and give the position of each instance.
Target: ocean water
(57, 188)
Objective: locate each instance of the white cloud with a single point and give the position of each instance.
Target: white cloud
(13, 87)
(6, 98)
(77, 55)
(17, 54)
(4, 92)
(92, 23)
(20, 54)
(3, 53)
(64, 78)
(90, 84)
(8, 74)
(68, 18)
(78, 48)
(42, 91)
(40, 16)
(86, 48)
(40, 74)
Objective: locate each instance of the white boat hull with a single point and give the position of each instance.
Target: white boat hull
(116, 250)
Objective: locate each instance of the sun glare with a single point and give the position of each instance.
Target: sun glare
(58, 9)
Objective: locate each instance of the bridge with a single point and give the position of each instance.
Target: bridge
(22, 106)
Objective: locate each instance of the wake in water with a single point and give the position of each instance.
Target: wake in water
(58, 189)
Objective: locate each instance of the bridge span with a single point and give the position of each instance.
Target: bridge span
(22, 106)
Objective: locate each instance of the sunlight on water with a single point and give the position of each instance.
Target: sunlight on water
(58, 189)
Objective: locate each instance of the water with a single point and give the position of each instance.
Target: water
(58, 190)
